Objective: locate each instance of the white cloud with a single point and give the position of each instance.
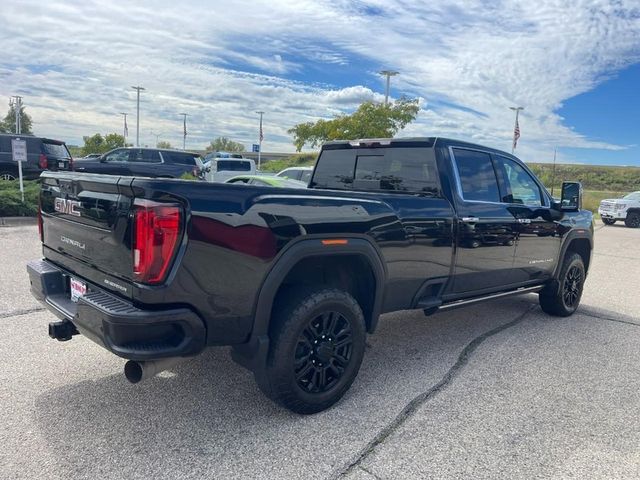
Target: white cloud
(75, 61)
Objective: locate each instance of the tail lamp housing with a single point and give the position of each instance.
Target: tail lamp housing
(43, 162)
(157, 231)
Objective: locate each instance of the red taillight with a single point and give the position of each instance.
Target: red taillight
(42, 161)
(156, 233)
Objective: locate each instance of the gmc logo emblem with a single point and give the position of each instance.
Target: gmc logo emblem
(69, 207)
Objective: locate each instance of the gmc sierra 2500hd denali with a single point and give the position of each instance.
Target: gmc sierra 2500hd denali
(155, 270)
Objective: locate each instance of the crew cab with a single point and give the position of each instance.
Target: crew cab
(626, 209)
(156, 270)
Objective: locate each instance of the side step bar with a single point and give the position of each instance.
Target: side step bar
(471, 301)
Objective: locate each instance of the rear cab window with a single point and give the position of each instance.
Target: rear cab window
(233, 166)
(389, 169)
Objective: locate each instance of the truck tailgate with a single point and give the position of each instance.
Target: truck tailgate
(86, 227)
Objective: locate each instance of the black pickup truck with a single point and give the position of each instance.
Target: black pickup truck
(156, 270)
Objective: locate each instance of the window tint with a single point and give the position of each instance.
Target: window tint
(55, 150)
(180, 158)
(233, 166)
(521, 187)
(117, 156)
(144, 156)
(394, 169)
(477, 176)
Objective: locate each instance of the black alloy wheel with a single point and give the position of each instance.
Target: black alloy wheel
(572, 287)
(323, 352)
(632, 220)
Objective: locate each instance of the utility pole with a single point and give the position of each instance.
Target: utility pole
(125, 129)
(16, 103)
(184, 130)
(138, 89)
(157, 135)
(553, 172)
(516, 128)
(388, 74)
(260, 138)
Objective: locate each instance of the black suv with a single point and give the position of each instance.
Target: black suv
(42, 154)
(146, 162)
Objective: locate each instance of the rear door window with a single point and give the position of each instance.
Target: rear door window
(145, 156)
(477, 176)
(180, 158)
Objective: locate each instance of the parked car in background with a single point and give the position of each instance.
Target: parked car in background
(145, 162)
(267, 181)
(626, 209)
(297, 173)
(42, 154)
(212, 155)
(222, 169)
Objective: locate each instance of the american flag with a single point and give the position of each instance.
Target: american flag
(126, 128)
(185, 126)
(261, 133)
(516, 134)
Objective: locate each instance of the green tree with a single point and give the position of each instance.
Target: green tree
(163, 144)
(370, 120)
(99, 144)
(223, 144)
(8, 125)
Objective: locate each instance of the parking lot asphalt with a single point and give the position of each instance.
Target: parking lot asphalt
(499, 390)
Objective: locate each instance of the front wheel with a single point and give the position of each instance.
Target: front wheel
(608, 221)
(562, 297)
(632, 220)
(317, 344)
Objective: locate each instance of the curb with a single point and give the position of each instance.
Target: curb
(17, 221)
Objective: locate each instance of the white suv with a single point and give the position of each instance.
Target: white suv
(626, 208)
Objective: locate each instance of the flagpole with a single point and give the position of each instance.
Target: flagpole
(260, 136)
(515, 128)
(553, 172)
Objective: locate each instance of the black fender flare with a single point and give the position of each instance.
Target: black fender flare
(581, 233)
(253, 354)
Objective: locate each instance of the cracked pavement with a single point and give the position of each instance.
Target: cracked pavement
(492, 391)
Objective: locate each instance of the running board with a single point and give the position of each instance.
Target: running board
(471, 301)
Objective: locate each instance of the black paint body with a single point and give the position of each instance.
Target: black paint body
(239, 241)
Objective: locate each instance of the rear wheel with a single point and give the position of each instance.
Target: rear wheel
(562, 297)
(317, 344)
(608, 221)
(7, 176)
(632, 220)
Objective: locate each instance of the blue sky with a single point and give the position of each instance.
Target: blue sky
(575, 68)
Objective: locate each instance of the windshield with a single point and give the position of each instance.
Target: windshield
(632, 196)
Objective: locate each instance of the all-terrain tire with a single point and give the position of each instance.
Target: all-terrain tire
(562, 296)
(632, 220)
(317, 342)
(608, 221)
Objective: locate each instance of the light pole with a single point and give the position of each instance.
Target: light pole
(125, 128)
(184, 130)
(388, 74)
(516, 129)
(260, 138)
(137, 89)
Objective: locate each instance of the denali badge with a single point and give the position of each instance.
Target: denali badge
(67, 206)
(73, 242)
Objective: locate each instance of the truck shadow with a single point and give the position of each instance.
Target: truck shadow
(207, 416)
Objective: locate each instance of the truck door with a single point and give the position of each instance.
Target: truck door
(538, 242)
(486, 229)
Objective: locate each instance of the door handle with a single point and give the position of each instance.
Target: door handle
(470, 219)
(524, 220)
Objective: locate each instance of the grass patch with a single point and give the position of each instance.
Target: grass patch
(11, 204)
